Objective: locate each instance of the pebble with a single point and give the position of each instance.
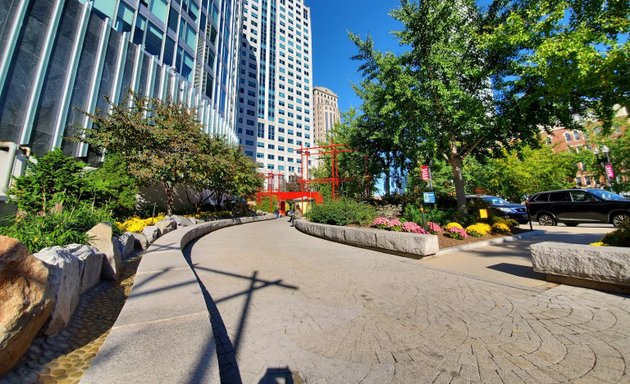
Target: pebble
(63, 358)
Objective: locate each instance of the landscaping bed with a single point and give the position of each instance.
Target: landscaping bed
(448, 242)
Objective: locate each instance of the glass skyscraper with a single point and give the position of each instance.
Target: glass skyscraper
(60, 57)
(274, 117)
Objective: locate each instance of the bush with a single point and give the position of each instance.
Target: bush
(503, 228)
(342, 212)
(456, 233)
(112, 186)
(452, 225)
(433, 228)
(477, 230)
(439, 216)
(412, 227)
(56, 228)
(136, 224)
(464, 218)
(268, 203)
(389, 211)
(509, 222)
(619, 237)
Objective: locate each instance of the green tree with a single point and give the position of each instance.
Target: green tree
(437, 98)
(558, 58)
(53, 179)
(111, 185)
(159, 140)
(520, 173)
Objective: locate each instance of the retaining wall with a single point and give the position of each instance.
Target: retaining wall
(163, 333)
(400, 243)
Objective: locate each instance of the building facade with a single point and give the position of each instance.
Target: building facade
(61, 57)
(326, 109)
(275, 107)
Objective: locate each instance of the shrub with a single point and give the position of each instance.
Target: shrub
(452, 225)
(113, 186)
(412, 227)
(456, 233)
(389, 210)
(268, 203)
(464, 218)
(136, 224)
(476, 230)
(380, 223)
(395, 225)
(57, 228)
(433, 228)
(412, 213)
(598, 244)
(342, 212)
(501, 228)
(619, 237)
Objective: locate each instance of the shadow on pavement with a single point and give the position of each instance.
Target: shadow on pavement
(226, 350)
(518, 270)
(280, 375)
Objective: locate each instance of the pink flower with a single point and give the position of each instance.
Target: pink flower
(457, 233)
(394, 223)
(412, 227)
(381, 222)
(434, 227)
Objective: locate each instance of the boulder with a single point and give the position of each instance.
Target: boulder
(601, 264)
(140, 241)
(26, 301)
(151, 233)
(182, 221)
(127, 245)
(102, 238)
(91, 263)
(64, 279)
(166, 226)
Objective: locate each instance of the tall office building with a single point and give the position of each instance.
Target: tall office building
(326, 113)
(61, 56)
(275, 115)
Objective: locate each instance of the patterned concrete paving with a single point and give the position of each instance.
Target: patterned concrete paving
(323, 312)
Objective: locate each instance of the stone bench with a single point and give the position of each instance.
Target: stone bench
(163, 333)
(606, 268)
(399, 243)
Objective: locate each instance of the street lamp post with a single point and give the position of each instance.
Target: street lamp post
(606, 151)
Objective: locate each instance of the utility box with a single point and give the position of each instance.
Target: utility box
(13, 160)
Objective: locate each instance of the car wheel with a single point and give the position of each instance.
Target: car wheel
(619, 218)
(546, 220)
(571, 224)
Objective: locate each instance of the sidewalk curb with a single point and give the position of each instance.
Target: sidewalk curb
(485, 243)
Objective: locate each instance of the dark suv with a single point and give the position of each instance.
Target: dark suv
(575, 206)
(498, 207)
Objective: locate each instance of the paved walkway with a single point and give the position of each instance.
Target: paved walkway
(291, 305)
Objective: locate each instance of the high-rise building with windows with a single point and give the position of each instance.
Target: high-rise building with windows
(58, 57)
(326, 113)
(275, 111)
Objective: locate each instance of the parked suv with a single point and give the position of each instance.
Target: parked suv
(499, 207)
(575, 206)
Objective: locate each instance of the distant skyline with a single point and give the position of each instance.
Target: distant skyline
(331, 20)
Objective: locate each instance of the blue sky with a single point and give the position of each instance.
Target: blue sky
(332, 50)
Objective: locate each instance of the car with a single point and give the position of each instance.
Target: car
(499, 207)
(575, 206)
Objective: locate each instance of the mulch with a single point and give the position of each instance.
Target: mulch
(447, 242)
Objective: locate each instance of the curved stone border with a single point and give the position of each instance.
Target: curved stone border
(399, 243)
(163, 333)
(605, 268)
(478, 244)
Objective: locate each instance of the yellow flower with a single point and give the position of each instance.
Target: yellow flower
(501, 228)
(598, 244)
(453, 225)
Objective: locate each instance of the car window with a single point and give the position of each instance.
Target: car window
(605, 195)
(581, 196)
(559, 196)
(541, 197)
(495, 200)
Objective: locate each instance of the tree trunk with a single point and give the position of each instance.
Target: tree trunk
(455, 160)
(170, 200)
(388, 169)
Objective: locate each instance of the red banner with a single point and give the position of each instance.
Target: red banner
(609, 171)
(425, 172)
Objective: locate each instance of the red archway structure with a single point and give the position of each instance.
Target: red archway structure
(333, 150)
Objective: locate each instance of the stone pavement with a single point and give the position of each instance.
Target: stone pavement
(287, 305)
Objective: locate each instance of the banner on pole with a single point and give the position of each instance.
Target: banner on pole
(609, 171)
(425, 172)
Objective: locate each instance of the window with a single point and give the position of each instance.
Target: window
(576, 135)
(567, 137)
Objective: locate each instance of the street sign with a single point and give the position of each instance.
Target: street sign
(429, 197)
(610, 173)
(425, 172)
